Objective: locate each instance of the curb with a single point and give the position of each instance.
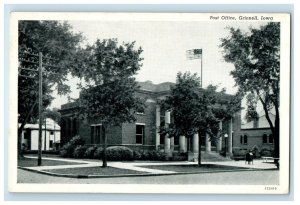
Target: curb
(135, 175)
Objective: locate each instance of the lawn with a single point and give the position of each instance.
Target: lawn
(95, 171)
(29, 162)
(194, 168)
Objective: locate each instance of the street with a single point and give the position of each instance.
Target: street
(267, 177)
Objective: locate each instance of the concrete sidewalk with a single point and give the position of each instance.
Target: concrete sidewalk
(138, 166)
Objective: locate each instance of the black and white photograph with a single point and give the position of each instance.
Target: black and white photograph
(149, 102)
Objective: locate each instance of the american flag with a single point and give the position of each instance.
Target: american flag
(194, 54)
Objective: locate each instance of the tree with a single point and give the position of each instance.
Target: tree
(55, 40)
(196, 110)
(256, 58)
(109, 95)
(53, 114)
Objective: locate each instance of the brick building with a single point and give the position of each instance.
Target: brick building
(255, 134)
(143, 134)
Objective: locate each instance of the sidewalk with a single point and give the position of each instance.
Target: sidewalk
(138, 167)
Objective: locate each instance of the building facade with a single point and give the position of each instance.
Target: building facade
(50, 136)
(144, 133)
(255, 135)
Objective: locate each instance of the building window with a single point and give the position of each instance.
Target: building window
(51, 132)
(51, 143)
(139, 134)
(265, 139)
(244, 139)
(96, 134)
(26, 134)
(271, 139)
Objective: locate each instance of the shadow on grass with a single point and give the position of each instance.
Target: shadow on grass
(28, 162)
(95, 171)
(195, 168)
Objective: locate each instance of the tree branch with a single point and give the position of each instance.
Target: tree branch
(266, 111)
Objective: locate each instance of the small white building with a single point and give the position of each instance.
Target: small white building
(50, 136)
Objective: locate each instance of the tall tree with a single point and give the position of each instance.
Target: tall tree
(256, 58)
(109, 94)
(53, 114)
(53, 39)
(196, 110)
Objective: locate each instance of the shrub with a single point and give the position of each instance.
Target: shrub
(145, 156)
(222, 153)
(153, 155)
(266, 153)
(158, 156)
(63, 153)
(79, 151)
(89, 153)
(239, 152)
(98, 153)
(77, 140)
(68, 149)
(117, 153)
(137, 155)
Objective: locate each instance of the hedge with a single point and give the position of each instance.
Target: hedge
(89, 153)
(68, 149)
(119, 153)
(79, 151)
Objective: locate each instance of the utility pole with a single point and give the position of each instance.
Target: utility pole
(40, 108)
(40, 90)
(45, 142)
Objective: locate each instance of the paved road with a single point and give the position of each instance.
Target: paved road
(266, 177)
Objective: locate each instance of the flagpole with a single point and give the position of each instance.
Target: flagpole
(201, 68)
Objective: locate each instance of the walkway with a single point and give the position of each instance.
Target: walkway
(138, 166)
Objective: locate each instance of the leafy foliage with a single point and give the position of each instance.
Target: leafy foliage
(118, 153)
(68, 149)
(89, 153)
(53, 114)
(110, 92)
(109, 95)
(52, 39)
(197, 110)
(256, 57)
(98, 154)
(79, 151)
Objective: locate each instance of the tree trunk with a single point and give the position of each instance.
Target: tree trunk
(274, 128)
(276, 137)
(20, 151)
(199, 150)
(104, 147)
(20, 130)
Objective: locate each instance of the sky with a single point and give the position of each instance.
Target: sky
(164, 45)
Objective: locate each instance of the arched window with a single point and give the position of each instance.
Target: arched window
(245, 139)
(271, 138)
(265, 138)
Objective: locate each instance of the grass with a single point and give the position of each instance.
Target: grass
(29, 162)
(95, 171)
(193, 168)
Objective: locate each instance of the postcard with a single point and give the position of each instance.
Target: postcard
(149, 102)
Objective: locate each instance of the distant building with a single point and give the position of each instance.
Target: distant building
(143, 134)
(51, 141)
(255, 134)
